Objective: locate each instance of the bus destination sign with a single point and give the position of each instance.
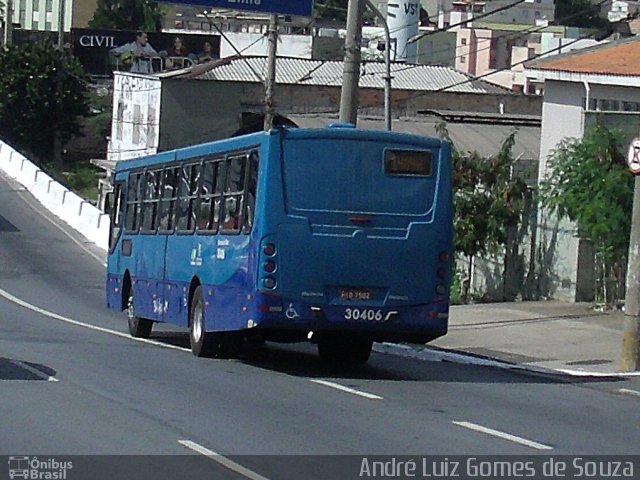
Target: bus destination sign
(285, 7)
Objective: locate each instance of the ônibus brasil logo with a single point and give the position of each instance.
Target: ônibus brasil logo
(32, 468)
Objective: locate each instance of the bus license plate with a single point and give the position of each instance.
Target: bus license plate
(361, 294)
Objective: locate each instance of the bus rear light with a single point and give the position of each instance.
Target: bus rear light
(443, 256)
(269, 266)
(442, 272)
(269, 249)
(441, 289)
(269, 282)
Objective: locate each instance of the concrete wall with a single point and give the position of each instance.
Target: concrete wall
(193, 112)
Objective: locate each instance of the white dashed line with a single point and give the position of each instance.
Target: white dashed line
(628, 391)
(224, 461)
(35, 371)
(342, 388)
(71, 321)
(503, 435)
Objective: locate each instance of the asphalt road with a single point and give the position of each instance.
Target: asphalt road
(73, 383)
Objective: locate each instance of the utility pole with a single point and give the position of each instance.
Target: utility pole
(61, 24)
(57, 140)
(387, 65)
(8, 23)
(271, 72)
(351, 75)
(631, 334)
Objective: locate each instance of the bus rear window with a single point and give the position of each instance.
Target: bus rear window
(408, 162)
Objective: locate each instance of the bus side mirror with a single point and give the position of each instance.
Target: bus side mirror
(108, 203)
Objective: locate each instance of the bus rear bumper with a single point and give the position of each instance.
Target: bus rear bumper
(415, 324)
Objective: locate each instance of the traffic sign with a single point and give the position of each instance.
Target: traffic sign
(633, 157)
(285, 7)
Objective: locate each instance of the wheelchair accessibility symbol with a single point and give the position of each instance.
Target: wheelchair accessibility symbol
(291, 312)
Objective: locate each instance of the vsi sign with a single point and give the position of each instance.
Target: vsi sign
(286, 7)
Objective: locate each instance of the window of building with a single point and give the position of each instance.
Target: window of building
(463, 41)
(463, 59)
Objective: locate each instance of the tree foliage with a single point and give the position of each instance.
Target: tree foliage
(589, 183)
(41, 91)
(582, 13)
(331, 10)
(128, 15)
(487, 199)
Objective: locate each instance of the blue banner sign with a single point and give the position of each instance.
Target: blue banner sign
(285, 7)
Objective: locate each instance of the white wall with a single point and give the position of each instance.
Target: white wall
(298, 46)
(136, 116)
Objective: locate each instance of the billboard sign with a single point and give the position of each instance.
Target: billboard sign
(285, 7)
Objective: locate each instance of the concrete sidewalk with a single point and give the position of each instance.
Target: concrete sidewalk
(551, 335)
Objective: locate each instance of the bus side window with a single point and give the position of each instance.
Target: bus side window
(187, 197)
(168, 201)
(133, 204)
(208, 214)
(116, 214)
(250, 197)
(150, 201)
(233, 195)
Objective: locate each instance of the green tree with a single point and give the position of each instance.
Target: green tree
(589, 183)
(331, 10)
(582, 13)
(42, 92)
(487, 200)
(128, 15)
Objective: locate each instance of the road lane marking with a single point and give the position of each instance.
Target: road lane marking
(503, 435)
(6, 295)
(342, 388)
(224, 461)
(628, 391)
(35, 371)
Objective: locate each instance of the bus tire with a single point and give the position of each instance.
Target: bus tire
(138, 327)
(344, 349)
(210, 344)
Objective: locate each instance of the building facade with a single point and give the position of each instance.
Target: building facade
(44, 15)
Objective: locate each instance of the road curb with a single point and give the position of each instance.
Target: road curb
(436, 354)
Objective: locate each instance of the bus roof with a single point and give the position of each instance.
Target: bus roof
(335, 131)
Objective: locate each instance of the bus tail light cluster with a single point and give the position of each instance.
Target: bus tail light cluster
(268, 266)
(441, 272)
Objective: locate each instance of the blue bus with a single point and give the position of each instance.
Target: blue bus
(339, 236)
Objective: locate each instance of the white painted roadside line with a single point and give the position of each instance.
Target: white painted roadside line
(342, 388)
(628, 391)
(6, 295)
(224, 461)
(35, 371)
(438, 355)
(503, 435)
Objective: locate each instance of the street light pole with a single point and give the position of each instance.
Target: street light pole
(271, 72)
(8, 23)
(387, 65)
(351, 73)
(61, 14)
(630, 360)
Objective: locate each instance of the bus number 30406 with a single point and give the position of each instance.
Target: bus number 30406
(363, 314)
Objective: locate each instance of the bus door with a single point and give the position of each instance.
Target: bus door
(148, 249)
(177, 204)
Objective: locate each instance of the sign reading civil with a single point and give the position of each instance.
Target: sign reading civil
(286, 7)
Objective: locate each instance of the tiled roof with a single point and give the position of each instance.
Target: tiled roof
(616, 58)
(329, 73)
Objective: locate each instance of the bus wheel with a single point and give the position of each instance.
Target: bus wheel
(210, 344)
(344, 349)
(138, 327)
